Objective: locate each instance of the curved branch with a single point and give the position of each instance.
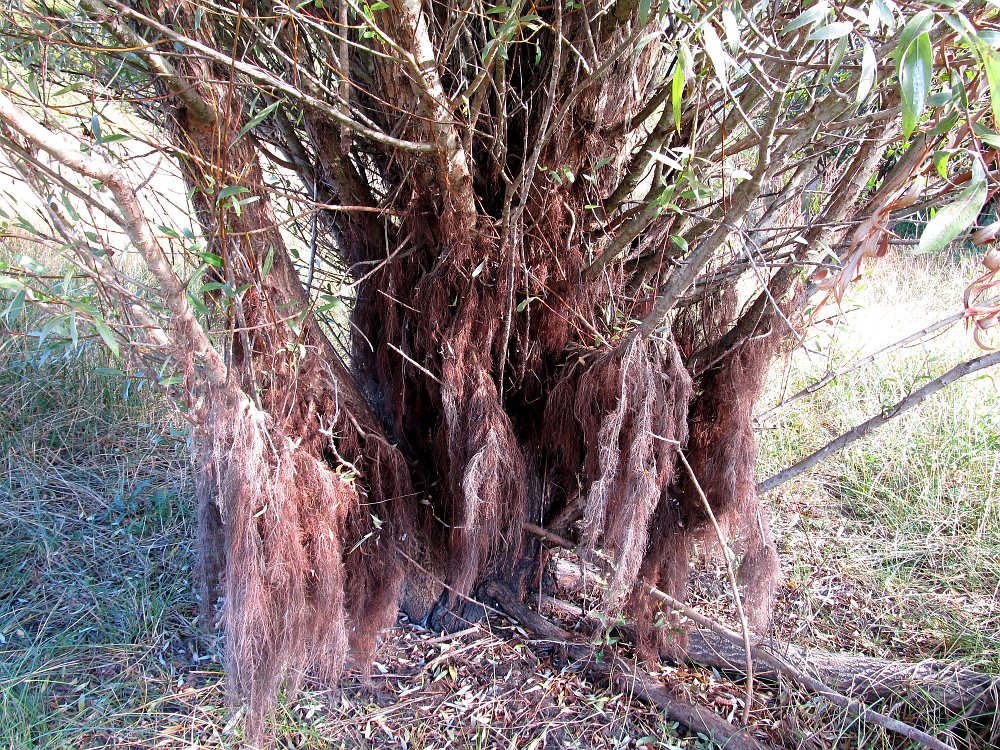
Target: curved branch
(921, 394)
(193, 339)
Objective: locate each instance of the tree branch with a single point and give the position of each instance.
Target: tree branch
(193, 339)
(834, 374)
(761, 654)
(956, 372)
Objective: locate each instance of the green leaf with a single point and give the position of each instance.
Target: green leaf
(9, 282)
(869, 69)
(956, 217)
(265, 269)
(834, 30)
(379, 6)
(228, 192)
(677, 92)
(105, 333)
(991, 63)
(211, 259)
(941, 162)
(258, 118)
(986, 135)
(644, 7)
(838, 58)
(68, 204)
(920, 24)
(16, 306)
(808, 17)
(915, 72)
(713, 48)
(881, 13)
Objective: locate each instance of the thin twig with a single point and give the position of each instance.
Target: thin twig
(921, 394)
(744, 625)
(834, 374)
(851, 705)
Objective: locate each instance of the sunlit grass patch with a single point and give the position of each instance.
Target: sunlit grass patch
(912, 509)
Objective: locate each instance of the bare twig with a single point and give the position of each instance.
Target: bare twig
(852, 706)
(919, 395)
(737, 599)
(624, 675)
(834, 374)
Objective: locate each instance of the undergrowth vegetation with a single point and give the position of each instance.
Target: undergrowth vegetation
(890, 548)
(907, 519)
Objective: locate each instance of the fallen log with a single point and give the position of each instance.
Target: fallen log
(925, 686)
(929, 686)
(761, 653)
(623, 675)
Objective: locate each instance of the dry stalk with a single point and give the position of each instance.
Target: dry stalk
(731, 574)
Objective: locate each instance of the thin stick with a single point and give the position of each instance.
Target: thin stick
(744, 625)
(852, 706)
(832, 375)
(413, 362)
(956, 372)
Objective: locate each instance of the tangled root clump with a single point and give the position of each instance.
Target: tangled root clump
(272, 520)
(623, 417)
(722, 451)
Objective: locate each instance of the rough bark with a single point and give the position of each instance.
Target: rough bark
(927, 687)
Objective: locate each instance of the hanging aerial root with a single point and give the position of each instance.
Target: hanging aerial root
(723, 453)
(282, 514)
(621, 420)
(486, 472)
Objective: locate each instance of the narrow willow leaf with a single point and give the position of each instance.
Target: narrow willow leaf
(838, 58)
(105, 333)
(265, 269)
(941, 162)
(834, 30)
(713, 48)
(732, 29)
(257, 119)
(915, 80)
(991, 63)
(962, 26)
(856, 14)
(230, 191)
(869, 68)
(920, 24)
(885, 14)
(808, 17)
(987, 135)
(9, 282)
(677, 93)
(956, 217)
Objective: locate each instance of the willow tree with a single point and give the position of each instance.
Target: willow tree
(452, 268)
